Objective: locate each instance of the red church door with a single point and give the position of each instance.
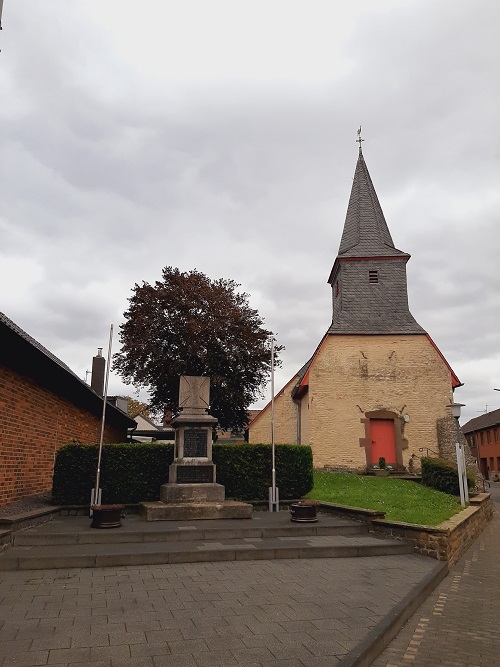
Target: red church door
(383, 440)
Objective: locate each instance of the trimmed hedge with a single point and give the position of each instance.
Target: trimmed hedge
(133, 472)
(130, 472)
(441, 475)
(245, 470)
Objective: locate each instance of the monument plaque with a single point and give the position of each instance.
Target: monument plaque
(195, 443)
(195, 475)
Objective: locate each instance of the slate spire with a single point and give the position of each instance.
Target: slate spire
(365, 231)
(368, 278)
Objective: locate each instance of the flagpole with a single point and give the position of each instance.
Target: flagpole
(96, 496)
(273, 491)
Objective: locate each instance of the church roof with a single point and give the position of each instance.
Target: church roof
(365, 231)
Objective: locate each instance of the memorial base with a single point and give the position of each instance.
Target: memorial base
(192, 493)
(228, 509)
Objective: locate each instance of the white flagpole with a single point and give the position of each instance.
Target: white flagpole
(273, 491)
(96, 496)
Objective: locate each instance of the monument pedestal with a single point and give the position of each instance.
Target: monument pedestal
(227, 509)
(191, 491)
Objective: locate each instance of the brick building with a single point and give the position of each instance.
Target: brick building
(43, 405)
(377, 385)
(483, 435)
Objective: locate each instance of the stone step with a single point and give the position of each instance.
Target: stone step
(77, 530)
(36, 557)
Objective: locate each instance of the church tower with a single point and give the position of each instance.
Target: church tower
(368, 278)
(377, 385)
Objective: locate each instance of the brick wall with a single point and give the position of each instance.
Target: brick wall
(34, 424)
(285, 420)
(353, 375)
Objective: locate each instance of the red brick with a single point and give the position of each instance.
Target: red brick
(35, 424)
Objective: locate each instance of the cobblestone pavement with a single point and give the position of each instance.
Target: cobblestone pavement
(288, 613)
(459, 623)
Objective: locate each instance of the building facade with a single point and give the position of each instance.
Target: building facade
(44, 406)
(377, 385)
(483, 437)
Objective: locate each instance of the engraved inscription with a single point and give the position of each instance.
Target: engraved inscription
(195, 475)
(195, 443)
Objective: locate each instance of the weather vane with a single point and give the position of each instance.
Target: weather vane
(359, 139)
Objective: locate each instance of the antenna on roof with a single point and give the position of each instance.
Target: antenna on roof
(359, 140)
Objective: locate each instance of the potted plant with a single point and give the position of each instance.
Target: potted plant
(106, 516)
(304, 511)
(382, 470)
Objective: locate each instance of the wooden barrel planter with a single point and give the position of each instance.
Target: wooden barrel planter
(106, 516)
(303, 512)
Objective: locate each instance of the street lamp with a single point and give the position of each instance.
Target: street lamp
(460, 453)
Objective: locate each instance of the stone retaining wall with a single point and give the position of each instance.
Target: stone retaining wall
(449, 540)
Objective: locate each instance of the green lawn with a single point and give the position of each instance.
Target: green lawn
(401, 500)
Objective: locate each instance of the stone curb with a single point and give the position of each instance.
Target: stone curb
(384, 632)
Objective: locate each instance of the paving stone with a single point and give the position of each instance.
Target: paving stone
(110, 653)
(29, 659)
(215, 659)
(54, 641)
(179, 660)
(68, 655)
(143, 661)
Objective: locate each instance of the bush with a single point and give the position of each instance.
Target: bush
(246, 470)
(132, 473)
(441, 475)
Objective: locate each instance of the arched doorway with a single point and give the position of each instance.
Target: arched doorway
(383, 437)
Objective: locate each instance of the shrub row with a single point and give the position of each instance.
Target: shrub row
(442, 475)
(132, 472)
(245, 470)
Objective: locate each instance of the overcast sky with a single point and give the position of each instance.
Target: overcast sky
(220, 135)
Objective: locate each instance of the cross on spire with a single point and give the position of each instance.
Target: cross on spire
(359, 139)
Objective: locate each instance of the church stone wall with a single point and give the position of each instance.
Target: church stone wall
(285, 420)
(304, 421)
(353, 375)
(447, 438)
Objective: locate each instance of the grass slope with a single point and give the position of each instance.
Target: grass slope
(400, 500)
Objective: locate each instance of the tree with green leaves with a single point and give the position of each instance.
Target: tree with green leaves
(188, 324)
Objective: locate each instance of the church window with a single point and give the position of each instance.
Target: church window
(373, 276)
(337, 288)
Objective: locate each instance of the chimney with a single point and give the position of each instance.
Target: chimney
(98, 369)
